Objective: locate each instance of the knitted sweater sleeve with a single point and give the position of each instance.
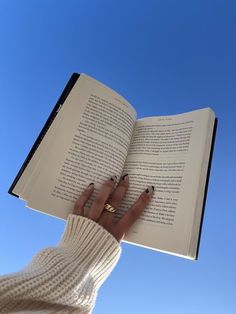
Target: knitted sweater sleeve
(65, 278)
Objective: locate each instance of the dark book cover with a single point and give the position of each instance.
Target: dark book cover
(206, 184)
(73, 79)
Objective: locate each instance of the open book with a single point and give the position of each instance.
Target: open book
(92, 134)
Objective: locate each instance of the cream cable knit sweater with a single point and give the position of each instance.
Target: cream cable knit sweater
(66, 278)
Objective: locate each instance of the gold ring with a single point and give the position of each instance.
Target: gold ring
(109, 208)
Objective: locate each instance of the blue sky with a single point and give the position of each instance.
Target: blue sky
(165, 57)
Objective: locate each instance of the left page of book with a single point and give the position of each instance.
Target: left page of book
(89, 144)
(39, 148)
(23, 185)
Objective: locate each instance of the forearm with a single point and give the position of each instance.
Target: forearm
(66, 277)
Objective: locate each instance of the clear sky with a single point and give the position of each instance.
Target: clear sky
(165, 57)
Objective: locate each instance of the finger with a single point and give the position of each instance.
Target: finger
(133, 213)
(80, 203)
(98, 204)
(116, 197)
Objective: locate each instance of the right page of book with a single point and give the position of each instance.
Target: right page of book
(171, 153)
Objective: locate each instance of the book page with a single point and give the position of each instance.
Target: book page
(90, 146)
(166, 152)
(25, 181)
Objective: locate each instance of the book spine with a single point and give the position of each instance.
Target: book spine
(73, 79)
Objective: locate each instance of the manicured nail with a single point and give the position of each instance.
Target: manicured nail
(113, 178)
(90, 186)
(125, 177)
(150, 189)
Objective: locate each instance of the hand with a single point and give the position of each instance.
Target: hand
(107, 195)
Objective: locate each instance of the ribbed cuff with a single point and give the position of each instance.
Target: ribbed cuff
(93, 246)
(68, 275)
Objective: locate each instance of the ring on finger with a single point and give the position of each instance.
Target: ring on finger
(109, 208)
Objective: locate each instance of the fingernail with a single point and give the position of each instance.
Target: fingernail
(113, 178)
(150, 189)
(90, 186)
(125, 177)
